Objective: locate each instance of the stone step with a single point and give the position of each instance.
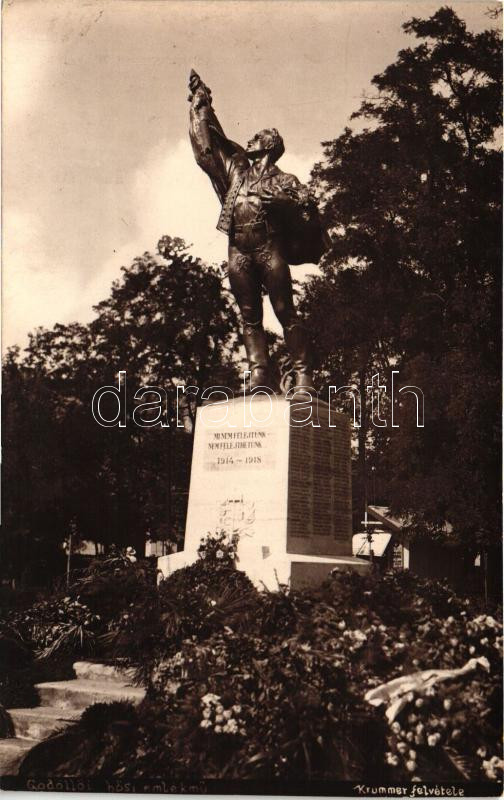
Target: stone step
(89, 670)
(79, 694)
(12, 752)
(40, 722)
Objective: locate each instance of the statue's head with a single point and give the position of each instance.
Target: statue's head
(266, 141)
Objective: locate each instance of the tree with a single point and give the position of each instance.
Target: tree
(167, 321)
(412, 281)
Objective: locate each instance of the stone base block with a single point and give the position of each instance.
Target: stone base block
(276, 475)
(295, 570)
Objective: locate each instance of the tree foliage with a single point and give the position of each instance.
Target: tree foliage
(412, 281)
(167, 321)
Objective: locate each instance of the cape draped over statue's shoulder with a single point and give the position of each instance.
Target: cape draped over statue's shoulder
(303, 237)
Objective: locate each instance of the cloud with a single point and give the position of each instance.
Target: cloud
(167, 194)
(34, 292)
(173, 196)
(28, 60)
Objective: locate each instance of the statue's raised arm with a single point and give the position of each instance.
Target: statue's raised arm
(271, 220)
(217, 155)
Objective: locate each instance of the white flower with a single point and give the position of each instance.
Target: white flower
(218, 729)
(392, 759)
(207, 713)
(411, 766)
(219, 709)
(481, 752)
(433, 739)
(472, 650)
(491, 766)
(419, 702)
(227, 714)
(210, 699)
(219, 554)
(219, 718)
(447, 704)
(396, 728)
(205, 723)
(237, 709)
(342, 625)
(489, 770)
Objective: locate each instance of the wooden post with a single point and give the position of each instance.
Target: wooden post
(69, 557)
(485, 574)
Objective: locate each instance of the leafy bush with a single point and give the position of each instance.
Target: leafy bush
(40, 642)
(243, 684)
(195, 601)
(112, 583)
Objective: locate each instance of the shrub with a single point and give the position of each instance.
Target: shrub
(242, 684)
(40, 642)
(113, 583)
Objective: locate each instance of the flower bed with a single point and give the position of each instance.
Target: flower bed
(242, 684)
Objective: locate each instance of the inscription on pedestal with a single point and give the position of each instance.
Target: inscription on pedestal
(319, 494)
(238, 450)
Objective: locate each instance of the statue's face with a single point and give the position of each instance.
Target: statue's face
(260, 144)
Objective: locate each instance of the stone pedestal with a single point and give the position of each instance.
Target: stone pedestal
(276, 473)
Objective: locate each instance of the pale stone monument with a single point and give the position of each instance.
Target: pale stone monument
(271, 471)
(281, 486)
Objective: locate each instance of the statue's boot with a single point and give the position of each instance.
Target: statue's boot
(256, 347)
(296, 339)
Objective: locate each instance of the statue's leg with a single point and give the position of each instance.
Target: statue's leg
(245, 282)
(278, 282)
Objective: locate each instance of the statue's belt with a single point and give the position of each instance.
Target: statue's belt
(255, 224)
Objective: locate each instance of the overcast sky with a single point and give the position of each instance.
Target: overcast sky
(96, 159)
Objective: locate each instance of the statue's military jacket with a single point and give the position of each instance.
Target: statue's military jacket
(297, 223)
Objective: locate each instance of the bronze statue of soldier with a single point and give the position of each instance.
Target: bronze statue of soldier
(271, 220)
